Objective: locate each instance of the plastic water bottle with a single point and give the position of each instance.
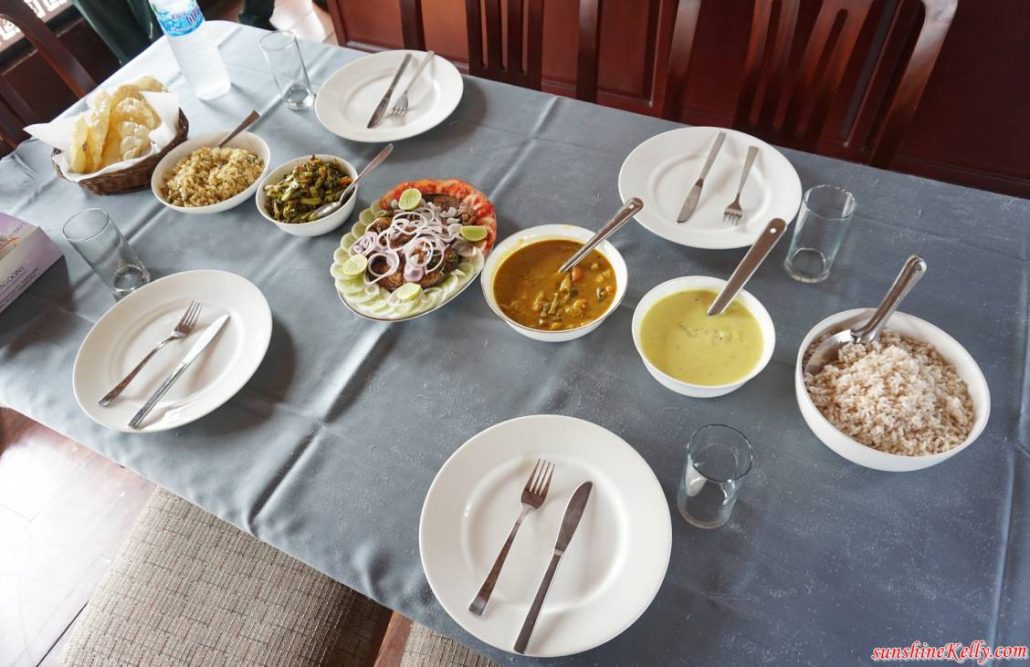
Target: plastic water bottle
(194, 50)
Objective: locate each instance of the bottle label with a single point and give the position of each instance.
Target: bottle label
(177, 24)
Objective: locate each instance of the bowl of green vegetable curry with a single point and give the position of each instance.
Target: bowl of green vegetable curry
(290, 194)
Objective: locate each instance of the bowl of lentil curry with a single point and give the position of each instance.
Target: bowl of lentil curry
(196, 177)
(522, 285)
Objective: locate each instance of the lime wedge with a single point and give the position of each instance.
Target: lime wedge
(354, 266)
(366, 217)
(410, 199)
(408, 291)
(473, 233)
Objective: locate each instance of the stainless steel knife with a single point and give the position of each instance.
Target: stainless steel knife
(377, 115)
(695, 192)
(573, 513)
(191, 356)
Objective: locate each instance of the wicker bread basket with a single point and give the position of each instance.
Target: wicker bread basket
(136, 177)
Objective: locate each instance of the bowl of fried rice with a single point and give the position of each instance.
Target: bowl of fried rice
(198, 177)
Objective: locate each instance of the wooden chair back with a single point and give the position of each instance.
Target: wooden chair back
(49, 47)
(503, 58)
(890, 125)
(413, 31)
(680, 52)
(787, 104)
(525, 27)
(588, 49)
(11, 125)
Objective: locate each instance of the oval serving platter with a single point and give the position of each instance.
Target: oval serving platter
(367, 298)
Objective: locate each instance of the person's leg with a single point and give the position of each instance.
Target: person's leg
(258, 13)
(146, 18)
(117, 24)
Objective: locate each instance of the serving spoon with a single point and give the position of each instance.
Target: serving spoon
(760, 249)
(327, 209)
(628, 210)
(244, 124)
(827, 351)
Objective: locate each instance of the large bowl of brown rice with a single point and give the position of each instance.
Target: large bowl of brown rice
(914, 398)
(198, 177)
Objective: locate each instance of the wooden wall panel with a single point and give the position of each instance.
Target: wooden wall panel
(445, 28)
(376, 24)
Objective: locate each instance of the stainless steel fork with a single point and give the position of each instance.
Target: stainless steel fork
(733, 212)
(533, 496)
(182, 329)
(400, 107)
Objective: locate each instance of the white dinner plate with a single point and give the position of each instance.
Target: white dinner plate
(611, 570)
(348, 98)
(135, 324)
(662, 170)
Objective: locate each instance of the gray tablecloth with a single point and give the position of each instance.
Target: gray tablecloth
(822, 561)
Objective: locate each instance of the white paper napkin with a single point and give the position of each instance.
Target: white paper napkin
(58, 132)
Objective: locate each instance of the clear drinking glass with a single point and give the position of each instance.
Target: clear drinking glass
(101, 244)
(718, 457)
(819, 232)
(282, 53)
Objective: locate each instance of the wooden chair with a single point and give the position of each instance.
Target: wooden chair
(509, 67)
(889, 126)
(50, 48)
(525, 23)
(409, 644)
(788, 104)
(680, 52)
(53, 52)
(10, 127)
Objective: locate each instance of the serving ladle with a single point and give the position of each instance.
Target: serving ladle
(760, 249)
(828, 350)
(244, 124)
(327, 209)
(628, 210)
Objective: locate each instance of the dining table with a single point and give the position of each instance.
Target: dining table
(327, 453)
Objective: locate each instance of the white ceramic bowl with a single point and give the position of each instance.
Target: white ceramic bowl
(245, 140)
(920, 330)
(541, 233)
(316, 227)
(684, 284)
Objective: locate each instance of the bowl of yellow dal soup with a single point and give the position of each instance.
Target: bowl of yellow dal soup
(694, 354)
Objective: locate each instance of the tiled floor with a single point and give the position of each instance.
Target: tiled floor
(64, 511)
